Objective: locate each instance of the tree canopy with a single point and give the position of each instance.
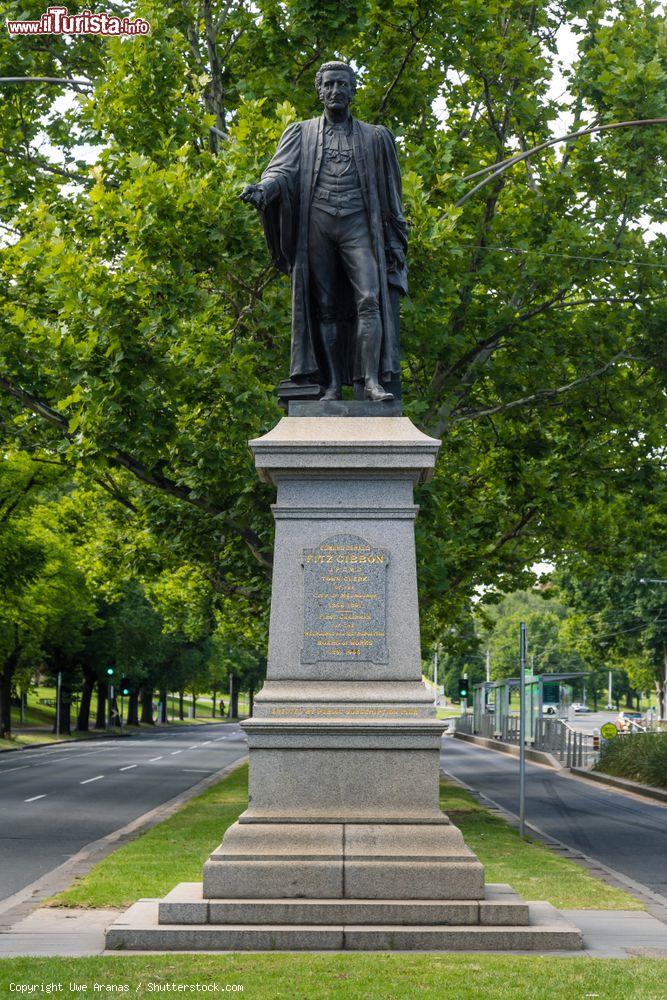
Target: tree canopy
(142, 329)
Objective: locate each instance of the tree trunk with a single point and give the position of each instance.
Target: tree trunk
(233, 698)
(251, 700)
(133, 708)
(213, 697)
(194, 704)
(83, 717)
(6, 697)
(101, 717)
(147, 706)
(180, 705)
(163, 706)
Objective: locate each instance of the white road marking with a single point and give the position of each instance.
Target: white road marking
(88, 780)
(35, 797)
(206, 743)
(194, 747)
(154, 758)
(174, 752)
(195, 770)
(21, 768)
(128, 766)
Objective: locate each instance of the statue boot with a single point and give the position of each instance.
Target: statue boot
(369, 345)
(330, 340)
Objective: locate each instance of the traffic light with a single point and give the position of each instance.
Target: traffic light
(463, 687)
(125, 686)
(110, 671)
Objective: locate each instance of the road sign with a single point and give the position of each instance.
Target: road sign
(608, 731)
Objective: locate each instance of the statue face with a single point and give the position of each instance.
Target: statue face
(335, 89)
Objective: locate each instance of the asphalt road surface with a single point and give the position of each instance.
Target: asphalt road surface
(55, 800)
(621, 831)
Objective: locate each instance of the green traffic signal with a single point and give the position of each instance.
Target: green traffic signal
(463, 687)
(110, 671)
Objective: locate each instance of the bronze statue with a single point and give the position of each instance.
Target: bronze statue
(330, 201)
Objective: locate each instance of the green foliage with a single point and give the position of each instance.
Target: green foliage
(639, 756)
(141, 317)
(620, 618)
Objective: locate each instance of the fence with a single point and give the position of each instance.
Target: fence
(554, 736)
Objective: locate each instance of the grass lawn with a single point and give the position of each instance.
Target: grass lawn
(175, 850)
(349, 977)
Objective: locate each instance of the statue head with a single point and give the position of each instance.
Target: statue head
(335, 84)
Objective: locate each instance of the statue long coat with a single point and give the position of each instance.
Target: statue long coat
(289, 183)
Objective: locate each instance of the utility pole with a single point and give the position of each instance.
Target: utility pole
(522, 732)
(435, 678)
(110, 673)
(58, 687)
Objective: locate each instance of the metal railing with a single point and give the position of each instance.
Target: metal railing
(572, 747)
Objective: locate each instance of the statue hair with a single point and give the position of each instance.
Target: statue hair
(335, 65)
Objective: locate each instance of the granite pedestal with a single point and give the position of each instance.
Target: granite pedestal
(343, 843)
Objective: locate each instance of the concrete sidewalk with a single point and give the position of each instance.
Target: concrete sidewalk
(76, 932)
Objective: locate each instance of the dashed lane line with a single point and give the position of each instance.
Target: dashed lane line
(154, 759)
(88, 780)
(128, 767)
(35, 797)
(174, 752)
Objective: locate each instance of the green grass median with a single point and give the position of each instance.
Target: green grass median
(175, 850)
(343, 977)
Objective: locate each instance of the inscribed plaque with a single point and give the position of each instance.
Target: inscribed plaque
(344, 601)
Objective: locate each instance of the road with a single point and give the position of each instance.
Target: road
(621, 831)
(56, 800)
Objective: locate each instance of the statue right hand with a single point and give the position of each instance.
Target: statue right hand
(254, 195)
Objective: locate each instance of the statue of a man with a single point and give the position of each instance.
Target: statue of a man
(330, 201)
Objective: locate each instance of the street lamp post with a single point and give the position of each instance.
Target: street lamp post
(522, 732)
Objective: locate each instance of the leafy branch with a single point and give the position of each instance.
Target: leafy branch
(145, 475)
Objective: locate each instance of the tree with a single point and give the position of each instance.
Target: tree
(142, 330)
(44, 604)
(621, 620)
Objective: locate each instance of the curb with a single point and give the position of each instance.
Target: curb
(655, 903)
(624, 784)
(27, 899)
(536, 756)
(157, 726)
(63, 743)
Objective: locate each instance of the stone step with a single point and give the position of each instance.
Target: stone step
(186, 905)
(138, 930)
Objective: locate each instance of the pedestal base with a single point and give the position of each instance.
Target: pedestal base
(186, 921)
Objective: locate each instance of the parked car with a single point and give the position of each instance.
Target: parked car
(581, 709)
(627, 721)
(550, 708)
